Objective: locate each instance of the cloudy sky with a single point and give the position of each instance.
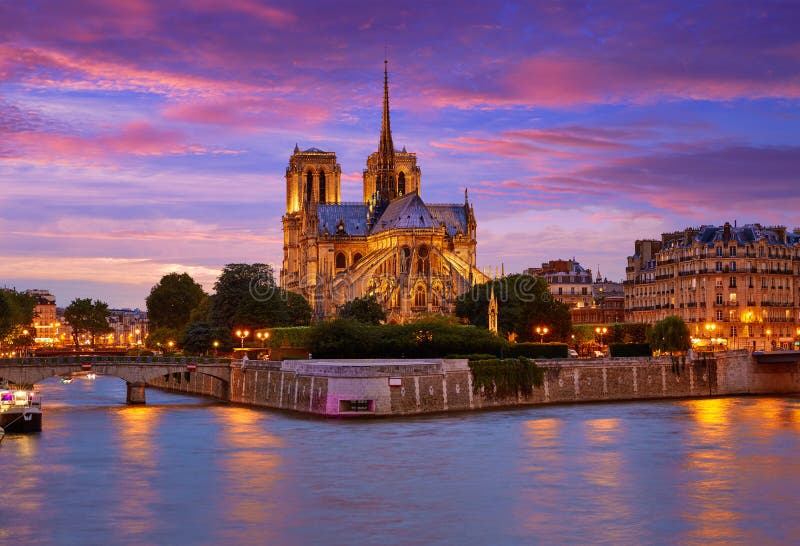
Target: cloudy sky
(141, 137)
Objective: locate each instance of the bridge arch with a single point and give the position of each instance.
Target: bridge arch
(137, 372)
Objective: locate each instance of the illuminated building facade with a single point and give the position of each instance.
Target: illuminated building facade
(736, 287)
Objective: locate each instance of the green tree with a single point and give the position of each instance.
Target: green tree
(366, 309)
(246, 296)
(172, 301)
(87, 317)
(524, 302)
(159, 338)
(16, 313)
(198, 339)
(670, 335)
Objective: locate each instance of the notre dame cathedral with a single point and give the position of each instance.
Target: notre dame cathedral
(414, 257)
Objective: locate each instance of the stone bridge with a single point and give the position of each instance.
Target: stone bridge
(137, 371)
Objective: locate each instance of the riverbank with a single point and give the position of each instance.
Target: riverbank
(358, 388)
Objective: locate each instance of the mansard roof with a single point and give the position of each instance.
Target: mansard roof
(407, 212)
(749, 233)
(351, 216)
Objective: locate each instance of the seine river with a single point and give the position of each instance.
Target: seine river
(184, 470)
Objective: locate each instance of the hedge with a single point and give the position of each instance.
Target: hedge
(537, 350)
(629, 349)
(294, 336)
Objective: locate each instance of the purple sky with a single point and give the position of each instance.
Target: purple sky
(142, 137)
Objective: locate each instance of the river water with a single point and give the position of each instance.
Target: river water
(186, 470)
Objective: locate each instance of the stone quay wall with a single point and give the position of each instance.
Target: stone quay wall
(407, 387)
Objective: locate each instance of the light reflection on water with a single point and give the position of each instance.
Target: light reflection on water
(190, 471)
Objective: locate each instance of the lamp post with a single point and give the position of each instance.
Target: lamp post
(170, 344)
(711, 328)
(601, 331)
(241, 334)
(542, 331)
(769, 339)
(263, 338)
(216, 346)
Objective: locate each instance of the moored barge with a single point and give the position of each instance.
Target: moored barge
(20, 411)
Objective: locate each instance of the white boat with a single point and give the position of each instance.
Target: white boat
(20, 411)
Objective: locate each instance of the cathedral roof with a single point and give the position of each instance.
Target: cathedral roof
(351, 216)
(454, 218)
(314, 151)
(405, 212)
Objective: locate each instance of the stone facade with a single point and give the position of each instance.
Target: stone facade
(738, 285)
(414, 257)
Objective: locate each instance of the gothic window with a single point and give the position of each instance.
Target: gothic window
(423, 262)
(405, 259)
(434, 299)
(322, 187)
(356, 257)
(309, 185)
(419, 297)
(341, 260)
(401, 184)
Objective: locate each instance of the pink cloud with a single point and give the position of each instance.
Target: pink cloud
(247, 112)
(133, 139)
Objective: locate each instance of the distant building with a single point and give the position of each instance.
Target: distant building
(45, 321)
(735, 286)
(129, 326)
(608, 304)
(569, 282)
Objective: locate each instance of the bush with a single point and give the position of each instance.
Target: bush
(537, 350)
(629, 349)
(291, 336)
(431, 337)
(473, 356)
(509, 376)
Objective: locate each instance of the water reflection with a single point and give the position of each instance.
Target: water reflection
(251, 465)
(137, 490)
(186, 470)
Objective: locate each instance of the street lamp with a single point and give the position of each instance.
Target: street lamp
(710, 330)
(601, 331)
(542, 331)
(241, 334)
(769, 338)
(216, 346)
(170, 344)
(262, 337)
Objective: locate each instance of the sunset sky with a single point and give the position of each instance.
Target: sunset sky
(141, 137)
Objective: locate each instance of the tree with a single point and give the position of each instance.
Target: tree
(87, 317)
(159, 338)
(172, 301)
(246, 296)
(366, 309)
(198, 339)
(16, 312)
(670, 335)
(524, 302)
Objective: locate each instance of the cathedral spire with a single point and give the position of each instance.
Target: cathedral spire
(385, 184)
